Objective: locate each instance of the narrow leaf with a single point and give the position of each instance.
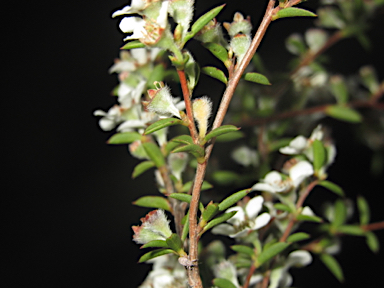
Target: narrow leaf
(230, 136)
(162, 124)
(233, 199)
(364, 213)
(343, 113)
(354, 230)
(174, 242)
(309, 218)
(282, 207)
(153, 254)
(185, 231)
(220, 131)
(339, 89)
(215, 73)
(257, 78)
(373, 242)
(332, 187)
(194, 149)
(331, 263)
(187, 186)
(243, 249)
(154, 152)
(210, 211)
(183, 139)
(298, 237)
(223, 283)
(124, 138)
(219, 51)
(293, 12)
(142, 167)
(153, 202)
(271, 252)
(318, 154)
(155, 244)
(340, 213)
(133, 44)
(220, 219)
(185, 198)
(204, 20)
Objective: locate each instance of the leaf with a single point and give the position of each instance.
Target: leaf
(293, 12)
(224, 177)
(354, 230)
(270, 252)
(233, 199)
(153, 254)
(203, 20)
(210, 211)
(223, 283)
(142, 167)
(185, 231)
(153, 202)
(257, 78)
(124, 138)
(332, 187)
(185, 198)
(220, 219)
(372, 242)
(133, 44)
(339, 89)
(187, 186)
(300, 236)
(219, 51)
(174, 242)
(215, 73)
(319, 155)
(282, 207)
(364, 213)
(220, 131)
(194, 149)
(154, 152)
(331, 263)
(155, 243)
(343, 113)
(183, 139)
(162, 124)
(340, 213)
(243, 249)
(230, 136)
(309, 218)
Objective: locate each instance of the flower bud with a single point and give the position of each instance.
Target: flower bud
(239, 25)
(161, 101)
(202, 108)
(177, 163)
(240, 44)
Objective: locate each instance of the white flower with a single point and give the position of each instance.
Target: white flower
(110, 119)
(136, 7)
(227, 270)
(245, 156)
(245, 220)
(274, 181)
(133, 24)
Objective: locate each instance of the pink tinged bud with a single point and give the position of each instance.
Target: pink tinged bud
(202, 109)
(155, 226)
(240, 44)
(161, 101)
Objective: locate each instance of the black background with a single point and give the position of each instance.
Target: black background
(67, 206)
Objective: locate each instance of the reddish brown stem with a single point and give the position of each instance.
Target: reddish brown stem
(374, 226)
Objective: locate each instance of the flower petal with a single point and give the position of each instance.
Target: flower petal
(261, 221)
(300, 171)
(254, 206)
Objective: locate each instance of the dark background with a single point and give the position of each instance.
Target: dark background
(67, 206)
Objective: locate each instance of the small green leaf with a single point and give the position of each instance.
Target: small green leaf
(223, 283)
(309, 218)
(300, 236)
(372, 242)
(162, 123)
(225, 177)
(142, 167)
(332, 187)
(187, 186)
(220, 219)
(153, 202)
(185, 231)
(219, 51)
(270, 252)
(293, 12)
(331, 263)
(343, 113)
(210, 211)
(155, 244)
(154, 152)
(230, 136)
(153, 254)
(185, 198)
(354, 230)
(319, 154)
(339, 89)
(133, 44)
(220, 131)
(174, 242)
(215, 73)
(203, 20)
(233, 199)
(364, 213)
(194, 149)
(257, 78)
(183, 139)
(243, 249)
(124, 138)
(282, 207)
(340, 213)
